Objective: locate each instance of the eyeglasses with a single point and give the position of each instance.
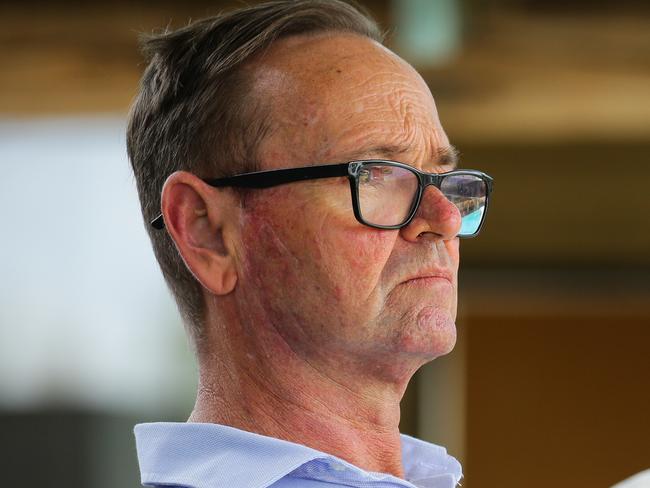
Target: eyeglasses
(385, 194)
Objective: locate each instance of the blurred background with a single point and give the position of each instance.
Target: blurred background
(550, 382)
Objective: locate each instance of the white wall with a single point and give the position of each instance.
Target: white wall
(85, 317)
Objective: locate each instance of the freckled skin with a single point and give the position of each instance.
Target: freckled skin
(322, 332)
(347, 273)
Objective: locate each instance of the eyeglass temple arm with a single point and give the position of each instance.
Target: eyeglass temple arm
(267, 179)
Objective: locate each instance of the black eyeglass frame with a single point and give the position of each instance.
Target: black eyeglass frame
(351, 169)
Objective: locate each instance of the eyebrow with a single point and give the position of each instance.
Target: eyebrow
(447, 156)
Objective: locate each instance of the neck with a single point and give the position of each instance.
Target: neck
(274, 392)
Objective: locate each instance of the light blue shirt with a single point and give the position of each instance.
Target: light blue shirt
(193, 455)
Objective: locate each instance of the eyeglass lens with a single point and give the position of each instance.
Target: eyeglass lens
(387, 194)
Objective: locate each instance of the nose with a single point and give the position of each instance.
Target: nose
(435, 214)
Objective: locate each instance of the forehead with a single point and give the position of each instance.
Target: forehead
(331, 96)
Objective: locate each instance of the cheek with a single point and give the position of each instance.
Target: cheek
(366, 249)
(317, 252)
(265, 255)
(361, 255)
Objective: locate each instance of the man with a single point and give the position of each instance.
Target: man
(314, 289)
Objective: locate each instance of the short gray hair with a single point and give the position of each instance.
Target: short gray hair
(194, 110)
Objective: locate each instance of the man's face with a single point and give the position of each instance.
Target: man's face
(341, 294)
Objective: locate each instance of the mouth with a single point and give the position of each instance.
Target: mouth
(428, 278)
(428, 281)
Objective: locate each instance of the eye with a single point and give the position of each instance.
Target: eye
(381, 172)
(364, 175)
(375, 174)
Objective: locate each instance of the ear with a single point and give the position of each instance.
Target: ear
(200, 220)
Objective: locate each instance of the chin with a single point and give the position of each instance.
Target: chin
(411, 352)
(444, 345)
(439, 344)
(431, 335)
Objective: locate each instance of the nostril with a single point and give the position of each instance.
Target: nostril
(436, 217)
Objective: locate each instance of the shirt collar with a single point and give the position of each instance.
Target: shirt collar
(195, 455)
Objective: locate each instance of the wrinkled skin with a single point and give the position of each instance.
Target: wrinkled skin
(323, 328)
(339, 296)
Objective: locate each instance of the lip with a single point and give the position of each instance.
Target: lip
(431, 276)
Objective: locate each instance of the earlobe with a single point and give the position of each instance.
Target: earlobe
(226, 282)
(199, 219)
